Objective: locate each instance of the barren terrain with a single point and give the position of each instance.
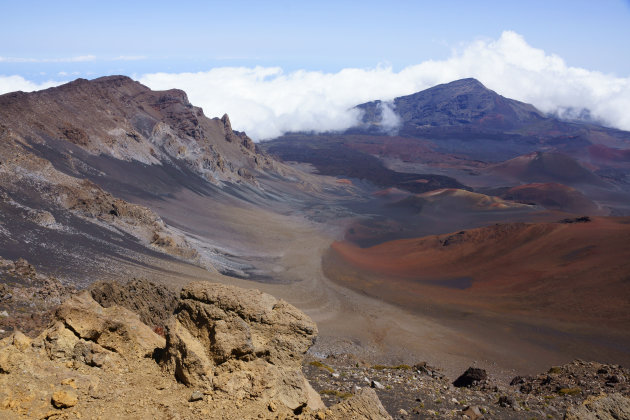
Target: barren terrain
(492, 241)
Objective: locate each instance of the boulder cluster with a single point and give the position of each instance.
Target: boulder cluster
(226, 353)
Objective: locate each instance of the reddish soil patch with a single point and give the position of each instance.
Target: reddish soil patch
(576, 273)
(608, 154)
(344, 181)
(553, 196)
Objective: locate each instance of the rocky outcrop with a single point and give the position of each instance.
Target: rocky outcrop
(28, 298)
(364, 405)
(115, 328)
(92, 360)
(241, 342)
(83, 332)
(602, 407)
(236, 136)
(153, 303)
(578, 378)
(229, 353)
(91, 202)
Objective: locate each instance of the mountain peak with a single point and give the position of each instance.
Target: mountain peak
(118, 81)
(457, 87)
(467, 82)
(116, 78)
(464, 102)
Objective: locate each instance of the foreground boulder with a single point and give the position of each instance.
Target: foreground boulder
(229, 353)
(241, 342)
(115, 329)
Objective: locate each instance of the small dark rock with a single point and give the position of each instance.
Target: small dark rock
(421, 367)
(614, 379)
(518, 380)
(471, 377)
(526, 388)
(583, 219)
(506, 401)
(562, 386)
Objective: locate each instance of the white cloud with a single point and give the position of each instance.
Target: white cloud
(265, 101)
(390, 121)
(15, 83)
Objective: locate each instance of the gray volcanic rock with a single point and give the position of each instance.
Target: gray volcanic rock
(152, 302)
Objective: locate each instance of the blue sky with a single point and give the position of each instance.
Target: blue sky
(276, 66)
(319, 35)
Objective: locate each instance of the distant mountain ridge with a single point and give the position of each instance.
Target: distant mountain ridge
(459, 103)
(474, 136)
(467, 109)
(119, 117)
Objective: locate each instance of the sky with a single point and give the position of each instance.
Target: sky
(278, 66)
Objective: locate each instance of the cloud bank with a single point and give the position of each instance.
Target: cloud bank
(14, 83)
(267, 101)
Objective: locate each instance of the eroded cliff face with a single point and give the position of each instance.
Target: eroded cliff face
(77, 160)
(229, 353)
(117, 117)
